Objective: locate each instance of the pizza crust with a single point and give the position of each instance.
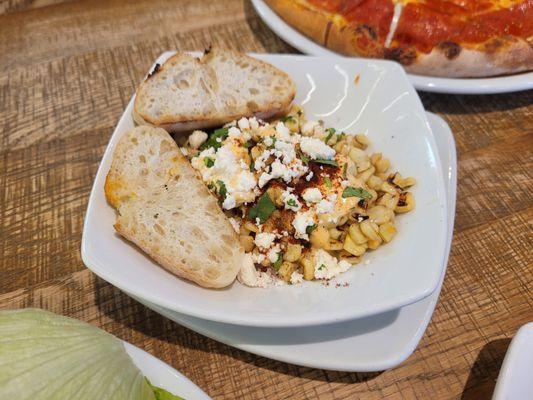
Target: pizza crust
(499, 56)
(329, 30)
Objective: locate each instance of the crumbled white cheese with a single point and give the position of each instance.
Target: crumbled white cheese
(244, 123)
(245, 181)
(324, 207)
(309, 176)
(234, 132)
(264, 179)
(184, 151)
(327, 266)
(258, 258)
(197, 138)
(282, 131)
(268, 141)
(264, 240)
(300, 223)
(254, 124)
(287, 197)
(316, 148)
(312, 195)
(273, 253)
(296, 277)
(229, 202)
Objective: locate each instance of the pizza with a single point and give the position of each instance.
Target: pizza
(451, 38)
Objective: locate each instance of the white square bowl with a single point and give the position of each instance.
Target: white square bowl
(353, 95)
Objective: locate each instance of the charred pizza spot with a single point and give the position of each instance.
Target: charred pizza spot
(403, 56)
(367, 30)
(326, 34)
(450, 49)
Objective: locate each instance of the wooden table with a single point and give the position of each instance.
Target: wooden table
(67, 71)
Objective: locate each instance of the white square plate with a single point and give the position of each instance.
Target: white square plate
(369, 344)
(353, 95)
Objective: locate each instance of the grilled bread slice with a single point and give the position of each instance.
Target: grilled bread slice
(187, 93)
(165, 209)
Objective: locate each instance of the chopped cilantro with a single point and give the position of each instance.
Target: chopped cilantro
(310, 228)
(252, 166)
(327, 182)
(262, 209)
(344, 168)
(273, 142)
(219, 187)
(248, 144)
(209, 162)
(278, 262)
(325, 161)
(350, 191)
(288, 118)
(304, 158)
(221, 134)
(340, 136)
(322, 266)
(331, 132)
(292, 203)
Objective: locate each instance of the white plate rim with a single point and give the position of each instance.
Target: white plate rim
(233, 319)
(160, 371)
(494, 85)
(449, 165)
(503, 389)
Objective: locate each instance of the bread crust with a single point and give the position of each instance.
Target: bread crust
(144, 195)
(211, 118)
(328, 29)
(498, 56)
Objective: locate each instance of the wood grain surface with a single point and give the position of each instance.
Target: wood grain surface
(67, 71)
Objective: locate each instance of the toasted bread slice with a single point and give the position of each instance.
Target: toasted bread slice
(187, 93)
(165, 209)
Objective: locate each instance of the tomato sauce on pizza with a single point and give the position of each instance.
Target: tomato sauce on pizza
(442, 37)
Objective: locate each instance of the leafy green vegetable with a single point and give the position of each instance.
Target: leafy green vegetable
(340, 136)
(310, 228)
(292, 203)
(331, 132)
(304, 158)
(262, 209)
(162, 394)
(221, 189)
(288, 118)
(327, 182)
(209, 162)
(351, 191)
(252, 166)
(212, 141)
(325, 161)
(48, 356)
(278, 262)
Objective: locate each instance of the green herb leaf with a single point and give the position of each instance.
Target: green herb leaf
(162, 394)
(325, 161)
(288, 118)
(344, 168)
(252, 166)
(327, 182)
(310, 228)
(221, 134)
(248, 144)
(278, 262)
(209, 162)
(221, 189)
(292, 203)
(331, 132)
(322, 266)
(350, 191)
(262, 209)
(273, 142)
(303, 157)
(340, 136)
